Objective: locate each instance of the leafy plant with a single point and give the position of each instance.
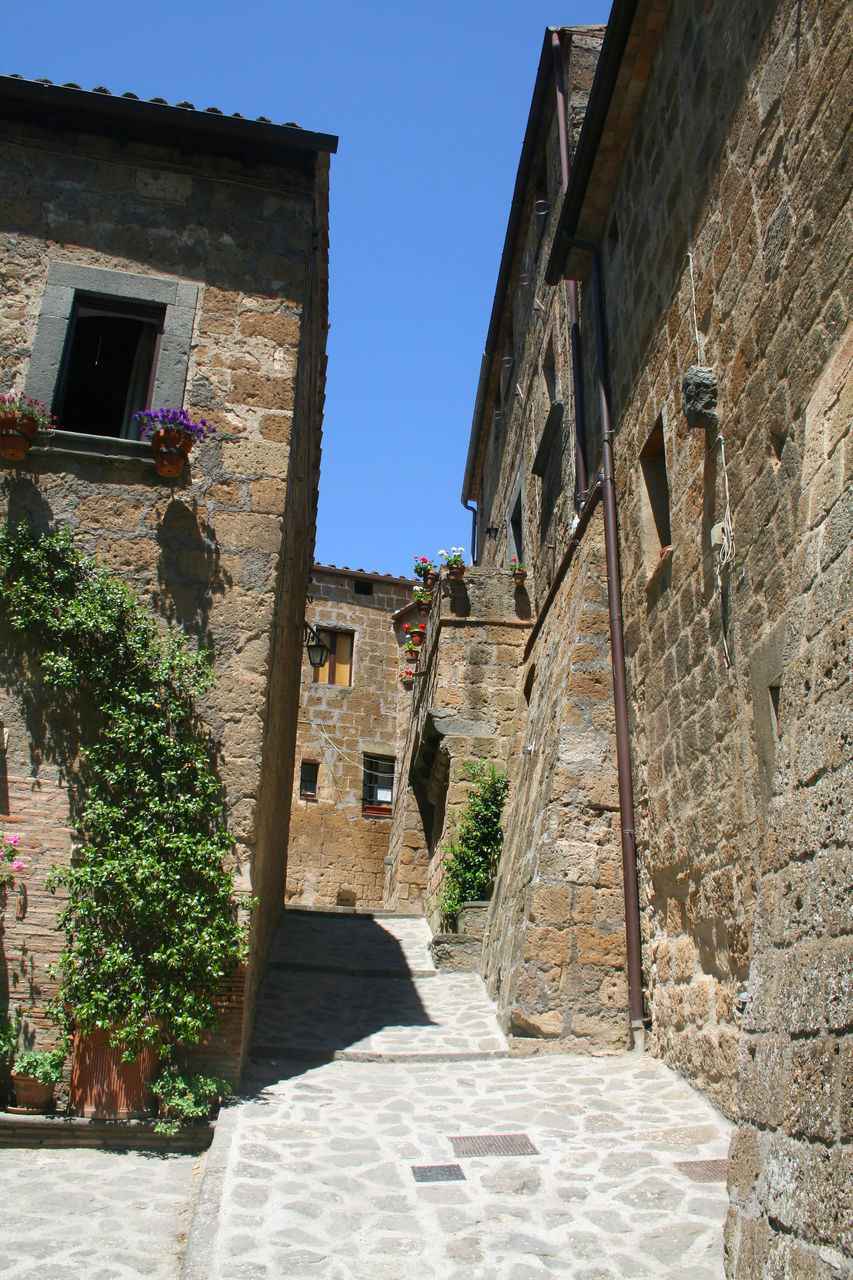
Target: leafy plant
(424, 567)
(454, 556)
(151, 921)
(421, 596)
(185, 1098)
(151, 420)
(9, 1032)
(17, 405)
(42, 1065)
(471, 858)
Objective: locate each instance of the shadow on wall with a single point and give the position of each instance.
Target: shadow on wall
(331, 981)
(189, 570)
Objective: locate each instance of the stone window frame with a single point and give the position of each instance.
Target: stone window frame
(371, 778)
(67, 280)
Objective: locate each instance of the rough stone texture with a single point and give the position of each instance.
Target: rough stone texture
(462, 710)
(223, 553)
(335, 853)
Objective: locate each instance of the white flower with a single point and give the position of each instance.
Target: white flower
(442, 553)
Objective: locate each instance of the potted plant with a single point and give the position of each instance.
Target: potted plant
(8, 855)
(35, 1076)
(426, 571)
(423, 599)
(518, 571)
(172, 433)
(21, 417)
(411, 654)
(184, 1098)
(454, 563)
(415, 633)
(407, 679)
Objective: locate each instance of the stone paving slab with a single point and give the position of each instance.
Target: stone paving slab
(98, 1215)
(314, 1175)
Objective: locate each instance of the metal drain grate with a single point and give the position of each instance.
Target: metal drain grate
(494, 1144)
(704, 1170)
(438, 1173)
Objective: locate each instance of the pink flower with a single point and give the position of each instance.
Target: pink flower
(17, 866)
(13, 840)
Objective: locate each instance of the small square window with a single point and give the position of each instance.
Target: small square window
(308, 771)
(377, 793)
(362, 586)
(337, 668)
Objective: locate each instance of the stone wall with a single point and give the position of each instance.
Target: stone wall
(463, 709)
(336, 854)
(224, 552)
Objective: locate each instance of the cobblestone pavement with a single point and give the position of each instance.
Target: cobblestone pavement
(93, 1215)
(313, 1174)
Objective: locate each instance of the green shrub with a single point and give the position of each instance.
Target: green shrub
(44, 1066)
(471, 858)
(185, 1098)
(151, 921)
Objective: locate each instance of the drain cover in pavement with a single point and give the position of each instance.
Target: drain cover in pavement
(704, 1170)
(438, 1173)
(494, 1144)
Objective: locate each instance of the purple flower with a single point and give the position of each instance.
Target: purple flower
(151, 420)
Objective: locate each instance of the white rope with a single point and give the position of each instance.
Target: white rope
(693, 296)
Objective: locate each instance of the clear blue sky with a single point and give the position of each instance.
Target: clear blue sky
(430, 104)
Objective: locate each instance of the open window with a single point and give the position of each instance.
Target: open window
(107, 367)
(308, 773)
(337, 668)
(377, 792)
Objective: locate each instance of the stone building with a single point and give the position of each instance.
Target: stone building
(190, 249)
(346, 741)
(663, 434)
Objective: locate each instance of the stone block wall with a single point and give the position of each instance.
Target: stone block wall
(336, 854)
(554, 953)
(224, 552)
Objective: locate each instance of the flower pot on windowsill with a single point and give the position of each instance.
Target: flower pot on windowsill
(171, 449)
(17, 433)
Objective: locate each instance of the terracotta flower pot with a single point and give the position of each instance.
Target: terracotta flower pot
(416, 635)
(171, 449)
(455, 572)
(430, 580)
(411, 656)
(408, 683)
(518, 577)
(104, 1087)
(16, 435)
(423, 610)
(31, 1094)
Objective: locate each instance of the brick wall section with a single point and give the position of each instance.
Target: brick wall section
(335, 854)
(225, 552)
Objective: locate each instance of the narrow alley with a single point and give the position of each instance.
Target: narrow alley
(385, 1131)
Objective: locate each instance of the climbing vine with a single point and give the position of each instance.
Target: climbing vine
(150, 920)
(471, 858)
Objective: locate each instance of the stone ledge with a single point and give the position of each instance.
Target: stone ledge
(74, 1131)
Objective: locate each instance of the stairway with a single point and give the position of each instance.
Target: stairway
(363, 988)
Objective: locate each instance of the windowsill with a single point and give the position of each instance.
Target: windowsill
(306, 795)
(665, 559)
(112, 448)
(375, 811)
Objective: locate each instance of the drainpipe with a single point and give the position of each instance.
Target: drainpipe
(473, 510)
(617, 656)
(560, 91)
(581, 482)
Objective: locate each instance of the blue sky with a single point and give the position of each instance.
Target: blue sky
(430, 104)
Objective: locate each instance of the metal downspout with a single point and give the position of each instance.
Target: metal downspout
(473, 510)
(617, 656)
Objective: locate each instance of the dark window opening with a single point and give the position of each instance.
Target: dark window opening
(107, 367)
(377, 792)
(774, 691)
(362, 587)
(549, 373)
(655, 531)
(337, 668)
(777, 442)
(308, 771)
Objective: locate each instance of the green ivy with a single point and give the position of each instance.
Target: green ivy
(472, 857)
(151, 921)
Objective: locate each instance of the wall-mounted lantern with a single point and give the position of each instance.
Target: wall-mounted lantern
(318, 652)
